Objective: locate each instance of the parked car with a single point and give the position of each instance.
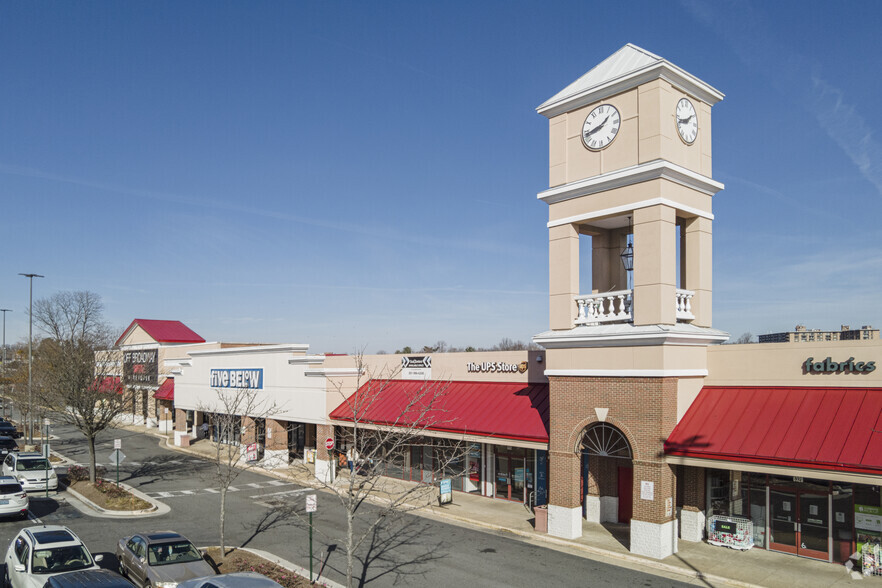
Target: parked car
(13, 498)
(160, 559)
(234, 580)
(31, 469)
(88, 578)
(10, 430)
(7, 445)
(37, 553)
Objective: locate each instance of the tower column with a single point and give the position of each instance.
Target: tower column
(699, 267)
(563, 252)
(655, 277)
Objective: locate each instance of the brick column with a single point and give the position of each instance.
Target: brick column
(152, 417)
(653, 522)
(180, 420)
(275, 451)
(324, 462)
(249, 430)
(693, 514)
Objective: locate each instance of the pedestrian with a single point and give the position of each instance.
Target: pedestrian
(204, 429)
(349, 453)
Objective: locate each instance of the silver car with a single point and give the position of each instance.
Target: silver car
(234, 580)
(160, 560)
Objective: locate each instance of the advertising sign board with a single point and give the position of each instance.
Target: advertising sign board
(141, 367)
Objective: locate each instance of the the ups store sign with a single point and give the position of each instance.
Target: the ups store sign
(140, 367)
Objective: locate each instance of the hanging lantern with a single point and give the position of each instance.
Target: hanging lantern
(628, 252)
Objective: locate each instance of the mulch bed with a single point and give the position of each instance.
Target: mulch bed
(245, 561)
(108, 496)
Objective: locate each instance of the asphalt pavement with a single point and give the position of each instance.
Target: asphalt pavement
(266, 513)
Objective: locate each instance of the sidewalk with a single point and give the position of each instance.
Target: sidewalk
(709, 565)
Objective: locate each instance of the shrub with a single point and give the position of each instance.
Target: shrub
(77, 473)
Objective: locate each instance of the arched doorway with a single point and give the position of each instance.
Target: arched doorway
(607, 474)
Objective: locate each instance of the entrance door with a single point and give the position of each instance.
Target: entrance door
(626, 494)
(503, 477)
(799, 523)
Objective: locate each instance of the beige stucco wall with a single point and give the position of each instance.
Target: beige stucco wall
(672, 358)
(781, 364)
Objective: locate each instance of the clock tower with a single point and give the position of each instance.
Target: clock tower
(630, 182)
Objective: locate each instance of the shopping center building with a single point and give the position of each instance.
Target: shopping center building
(634, 412)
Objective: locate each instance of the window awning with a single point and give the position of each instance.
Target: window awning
(166, 391)
(497, 410)
(837, 429)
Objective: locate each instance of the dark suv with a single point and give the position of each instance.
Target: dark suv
(9, 430)
(7, 444)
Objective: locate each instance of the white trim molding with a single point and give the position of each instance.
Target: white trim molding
(346, 372)
(629, 373)
(618, 210)
(642, 172)
(292, 347)
(761, 468)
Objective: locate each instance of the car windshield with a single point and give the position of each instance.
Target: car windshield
(29, 465)
(172, 553)
(60, 559)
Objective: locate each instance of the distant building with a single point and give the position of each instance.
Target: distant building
(803, 335)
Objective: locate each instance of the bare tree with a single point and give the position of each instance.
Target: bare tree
(380, 450)
(234, 416)
(77, 375)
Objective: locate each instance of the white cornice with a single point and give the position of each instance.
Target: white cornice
(628, 373)
(334, 372)
(836, 475)
(663, 69)
(627, 335)
(288, 347)
(616, 210)
(307, 359)
(643, 172)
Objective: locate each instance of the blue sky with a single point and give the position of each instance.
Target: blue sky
(364, 174)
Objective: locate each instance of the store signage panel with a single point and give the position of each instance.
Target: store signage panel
(417, 367)
(828, 366)
(141, 367)
(496, 367)
(245, 379)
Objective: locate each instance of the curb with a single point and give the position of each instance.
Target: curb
(86, 506)
(303, 572)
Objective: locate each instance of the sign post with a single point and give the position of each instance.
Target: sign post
(116, 457)
(311, 507)
(46, 453)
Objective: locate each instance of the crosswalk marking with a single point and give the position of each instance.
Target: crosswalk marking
(209, 490)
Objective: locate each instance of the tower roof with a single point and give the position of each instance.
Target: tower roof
(628, 67)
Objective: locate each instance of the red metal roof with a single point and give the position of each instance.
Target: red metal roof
(164, 331)
(166, 390)
(499, 410)
(818, 428)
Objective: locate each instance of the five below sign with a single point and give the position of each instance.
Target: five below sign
(251, 379)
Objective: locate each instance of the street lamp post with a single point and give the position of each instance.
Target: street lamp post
(4, 311)
(30, 433)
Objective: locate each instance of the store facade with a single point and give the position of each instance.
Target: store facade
(277, 407)
(489, 435)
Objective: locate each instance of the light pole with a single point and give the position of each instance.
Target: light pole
(30, 433)
(4, 311)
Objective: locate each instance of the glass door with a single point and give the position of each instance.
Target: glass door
(503, 476)
(782, 520)
(814, 526)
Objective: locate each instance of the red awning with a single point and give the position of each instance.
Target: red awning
(498, 410)
(166, 390)
(818, 428)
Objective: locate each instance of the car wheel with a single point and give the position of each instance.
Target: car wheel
(6, 582)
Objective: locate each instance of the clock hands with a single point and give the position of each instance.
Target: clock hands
(684, 120)
(598, 127)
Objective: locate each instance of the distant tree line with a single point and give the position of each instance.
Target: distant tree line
(505, 344)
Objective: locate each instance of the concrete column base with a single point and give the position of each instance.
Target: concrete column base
(609, 509)
(166, 426)
(565, 522)
(692, 524)
(274, 459)
(592, 509)
(151, 422)
(137, 419)
(178, 435)
(653, 540)
(324, 471)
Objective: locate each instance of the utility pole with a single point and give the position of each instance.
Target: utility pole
(4, 311)
(29, 439)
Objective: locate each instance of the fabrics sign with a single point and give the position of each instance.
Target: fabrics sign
(246, 379)
(828, 366)
(141, 367)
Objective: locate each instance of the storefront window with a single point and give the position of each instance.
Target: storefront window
(718, 492)
(758, 508)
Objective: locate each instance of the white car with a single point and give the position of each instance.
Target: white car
(13, 498)
(31, 469)
(40, 552)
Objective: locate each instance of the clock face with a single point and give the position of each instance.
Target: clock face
(601, 127)
(687, 121)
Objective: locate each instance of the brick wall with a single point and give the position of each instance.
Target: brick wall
(180, 419)
(323, 432)
(249, 430)
(693, 488)
(276, 434)
(644, 409)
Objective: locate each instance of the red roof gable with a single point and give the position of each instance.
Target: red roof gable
(166, 390)
(164, 331)
(487, 409)
(818, 428)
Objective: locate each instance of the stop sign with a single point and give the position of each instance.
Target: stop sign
(329, 443)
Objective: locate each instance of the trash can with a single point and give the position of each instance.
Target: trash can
(540, 523)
